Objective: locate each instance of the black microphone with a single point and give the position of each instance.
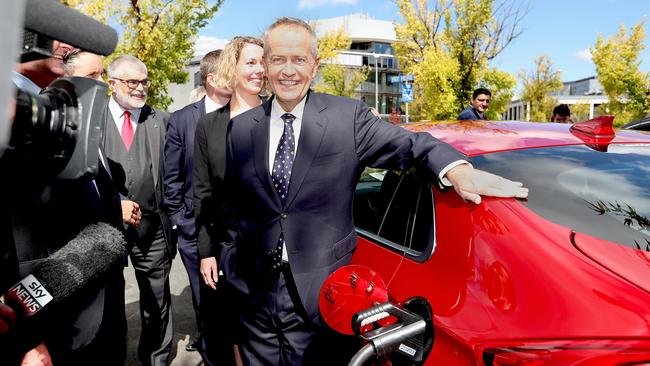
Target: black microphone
(57, 21)
(69, 270)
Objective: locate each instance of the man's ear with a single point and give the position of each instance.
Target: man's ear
(315, 70)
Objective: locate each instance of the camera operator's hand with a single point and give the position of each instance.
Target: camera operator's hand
(38, 356)
(7, 318)
(131, 214)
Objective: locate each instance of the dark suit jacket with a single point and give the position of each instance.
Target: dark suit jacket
(339, 137)
(179, 153)
(209, 168)
(469, 113)
(155, 124)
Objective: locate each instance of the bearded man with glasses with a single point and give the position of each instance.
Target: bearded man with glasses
(134, 134)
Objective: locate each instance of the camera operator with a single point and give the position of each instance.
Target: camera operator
(35, 75)
(46, 215)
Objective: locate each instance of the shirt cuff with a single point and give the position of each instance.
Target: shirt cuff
(444, 182)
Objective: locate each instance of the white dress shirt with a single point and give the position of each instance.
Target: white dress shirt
(118, 115)
(211, 105)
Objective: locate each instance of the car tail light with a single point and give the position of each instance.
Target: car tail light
(569, 352)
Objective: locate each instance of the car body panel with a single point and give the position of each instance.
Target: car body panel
(500, 272)
(480, 137)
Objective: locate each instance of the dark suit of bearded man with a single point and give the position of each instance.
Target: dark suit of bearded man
(134, 135)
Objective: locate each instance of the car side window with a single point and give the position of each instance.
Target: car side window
(396, 208)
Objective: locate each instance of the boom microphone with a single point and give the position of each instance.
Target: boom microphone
(57, 21)
(69, 270)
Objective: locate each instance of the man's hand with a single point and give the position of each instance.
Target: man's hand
(209, 272)
(131, 214)
(38, 356)
(7, 318)
(471, 184)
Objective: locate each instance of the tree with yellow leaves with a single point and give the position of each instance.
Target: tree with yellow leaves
(335, 78)
(161, 33)
(458, 37)
(617, 62)
(537, 86)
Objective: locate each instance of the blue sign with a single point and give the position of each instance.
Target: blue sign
(407, 92)
(401, 78)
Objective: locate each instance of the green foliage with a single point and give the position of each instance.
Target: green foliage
(617, 62)
(161, 33)
(502, 85)
(436, 78)
(536, 88)
(469, 32)
(334, 78)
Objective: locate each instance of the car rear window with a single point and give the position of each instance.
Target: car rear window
(603, 194)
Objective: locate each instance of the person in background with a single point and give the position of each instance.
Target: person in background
(562, 114)
(240, 70)
(479, 105)
(177, 187)
(134, 134)
(82, 63)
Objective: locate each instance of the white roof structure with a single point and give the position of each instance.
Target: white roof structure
(359, 28)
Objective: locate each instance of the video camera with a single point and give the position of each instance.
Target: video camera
(57, 132)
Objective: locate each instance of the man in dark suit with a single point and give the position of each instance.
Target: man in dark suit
(134, 134)
(177, 188)
(293, 165)
(479, 105)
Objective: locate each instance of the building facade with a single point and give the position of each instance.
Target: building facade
(583, 97)
(372, 41)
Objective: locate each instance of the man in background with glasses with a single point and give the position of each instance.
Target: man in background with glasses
(134, 134)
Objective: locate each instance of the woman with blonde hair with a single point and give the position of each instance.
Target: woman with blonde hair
(240, 71)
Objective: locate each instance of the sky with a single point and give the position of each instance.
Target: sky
(561, 29)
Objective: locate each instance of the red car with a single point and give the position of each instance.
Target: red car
(562, 278)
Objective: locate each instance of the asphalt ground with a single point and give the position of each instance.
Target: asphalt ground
(182, 316)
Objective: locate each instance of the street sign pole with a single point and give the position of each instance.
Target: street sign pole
(407, 112)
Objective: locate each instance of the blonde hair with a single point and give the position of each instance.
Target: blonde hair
(226, 76)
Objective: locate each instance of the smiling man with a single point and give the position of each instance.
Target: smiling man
(479, 105)
(293, 164)
(134, 134)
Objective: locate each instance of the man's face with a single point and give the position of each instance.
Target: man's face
(88, 65)
(129, 97)
(290, 64)
(561, 119)
(55, 63)
(481, 103)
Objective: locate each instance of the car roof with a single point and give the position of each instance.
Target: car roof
(484, 137)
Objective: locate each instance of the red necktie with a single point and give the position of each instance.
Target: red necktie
(127, 131)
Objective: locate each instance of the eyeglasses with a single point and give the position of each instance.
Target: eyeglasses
(134, 83)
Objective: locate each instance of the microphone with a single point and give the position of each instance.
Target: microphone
(70, 269)
(57, 21)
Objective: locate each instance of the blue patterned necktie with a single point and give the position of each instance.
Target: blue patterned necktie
(281, 173)
(281, 176)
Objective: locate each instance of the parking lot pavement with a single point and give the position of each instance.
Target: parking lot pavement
(182, 313)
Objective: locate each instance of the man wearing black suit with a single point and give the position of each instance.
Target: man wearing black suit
(293, 165)
(133, 140)
(177, 185)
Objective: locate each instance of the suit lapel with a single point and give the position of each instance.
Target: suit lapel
(199, 109)
(152, 128)
(311, 135)
(260, 142)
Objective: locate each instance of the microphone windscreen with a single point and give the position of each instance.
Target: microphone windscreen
(82, 260)
(57, 21)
